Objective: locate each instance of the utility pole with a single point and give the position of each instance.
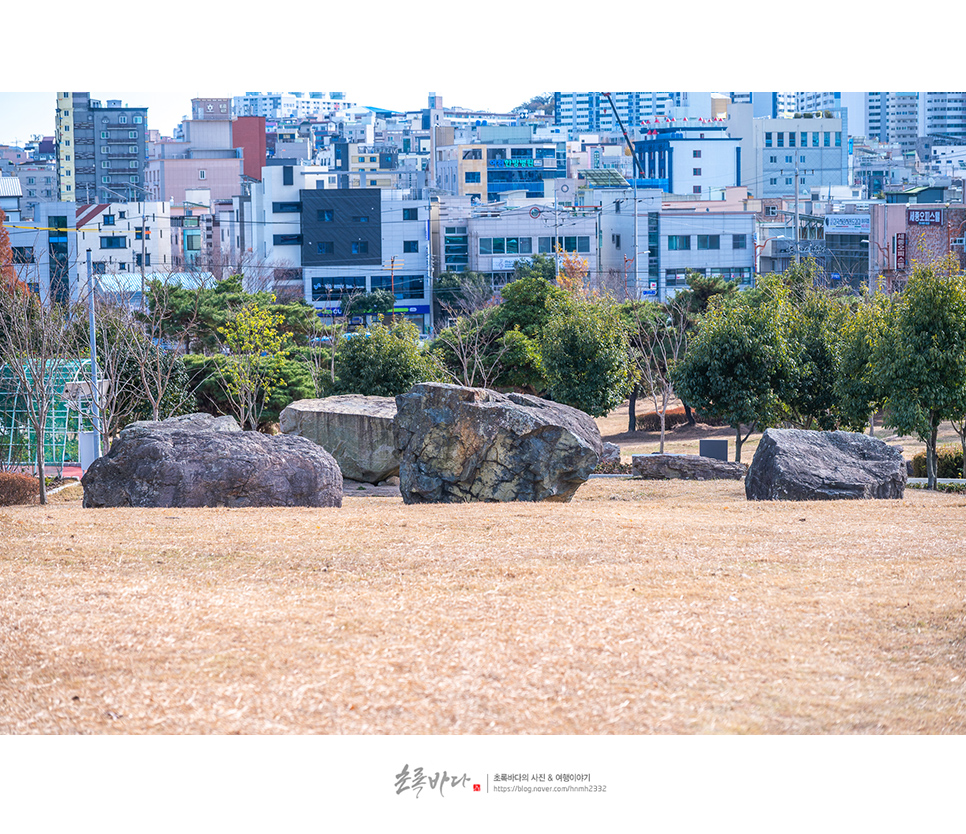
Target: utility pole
(95, 410)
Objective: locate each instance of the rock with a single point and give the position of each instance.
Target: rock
(185, 463)
(685, 467)
(194, 422)
(472, 444)
(356, 430)
(799, 465)
(611, 454)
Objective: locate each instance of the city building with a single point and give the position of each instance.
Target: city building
(100, 149)
(289, 105)
(46, 252)
(790, 155)
(125, 237)
(699, 158)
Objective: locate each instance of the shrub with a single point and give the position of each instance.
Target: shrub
(17, 489)
(949, 463)
(673, 417)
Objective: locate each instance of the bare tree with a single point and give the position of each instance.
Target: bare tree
(476, 345)
(37, 349)
(661, 338)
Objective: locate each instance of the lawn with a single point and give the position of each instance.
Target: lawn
(639, 607)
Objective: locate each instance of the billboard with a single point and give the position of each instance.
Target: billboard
(847, 224)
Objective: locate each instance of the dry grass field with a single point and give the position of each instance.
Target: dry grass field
(637, 608)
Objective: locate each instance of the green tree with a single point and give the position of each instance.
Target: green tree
(920, 362)
(253, 367)
(585, 356)
(857, 396)
(375, 303)
(384, 361)
(527, 303)
(737, 364)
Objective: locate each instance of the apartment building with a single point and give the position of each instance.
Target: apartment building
(100, 149)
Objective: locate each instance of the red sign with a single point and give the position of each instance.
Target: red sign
(900, 251)
(924, 217)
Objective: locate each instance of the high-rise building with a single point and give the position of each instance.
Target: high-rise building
(100, 149)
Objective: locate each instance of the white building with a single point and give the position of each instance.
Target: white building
(289, 105)
(125, 237)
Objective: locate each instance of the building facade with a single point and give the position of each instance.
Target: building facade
(100, 149)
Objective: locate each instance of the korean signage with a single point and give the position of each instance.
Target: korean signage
(924, 217)
(900, 251)
(504, 264)
(847, 224)
(511, 163)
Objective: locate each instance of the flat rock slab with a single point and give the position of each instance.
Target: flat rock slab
(356, 430)
(685, 468)
(177, 464)
(800, 465)
(472, 444)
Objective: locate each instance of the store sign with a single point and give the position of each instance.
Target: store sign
(415, 309)
(511, 163)
(847, 224)
(504, 264)
(924, 217)
(900, 251)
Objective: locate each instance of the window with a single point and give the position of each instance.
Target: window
(147, 259)
(791, 139)
(113, 242)
(288, 177)
(360, 247)
(286, 240)
(132, 134)
(103, 135)
(363, 218)
(286, 208)
(696, 154)
(202, 174)
(410, 214)
(767, 140)
(132, 163)
(827, 139)
(105, 164)
(781, 140)
(138, 120)
(838, 139)
(122, 120)
(771, 211)
(325, 215)
(739, 241)
(472, 176)
(801, 159)
(788, 180)
(678, 243)
(138, 232)
(132, 148)
(326, 247)
(410, 246)
(695, 189)
(789, 159)
(804, 138)
(709, 241)
(815, 140)
(773, 160)
(23, 254)
(696, 172)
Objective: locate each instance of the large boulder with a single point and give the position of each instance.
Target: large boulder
(799, 465)
(356, 430)
(200, 463)
(472, 444)
(685, 467)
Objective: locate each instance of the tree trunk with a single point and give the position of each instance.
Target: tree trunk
(932, 462)
(663, 422)
(737, 429)
(632, 409)
(690, 416)
(41, 473)
(872, 424)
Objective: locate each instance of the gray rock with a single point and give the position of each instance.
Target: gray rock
(472, 444)
(611, 453)
(177, 464)
(356, 430)
(193, 422)
(799, 465)
(685, 467)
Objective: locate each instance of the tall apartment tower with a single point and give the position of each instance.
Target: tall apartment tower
(100, 150)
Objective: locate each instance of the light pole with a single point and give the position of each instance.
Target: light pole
(95, 391)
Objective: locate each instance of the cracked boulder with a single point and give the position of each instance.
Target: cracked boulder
(356, 430)
(211, 463)
(471, 444)
(800, 465)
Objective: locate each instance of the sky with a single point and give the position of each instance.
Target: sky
(489, 60)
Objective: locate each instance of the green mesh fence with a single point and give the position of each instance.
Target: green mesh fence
(65, 419)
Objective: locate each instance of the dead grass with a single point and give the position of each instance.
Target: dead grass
(640, 607)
